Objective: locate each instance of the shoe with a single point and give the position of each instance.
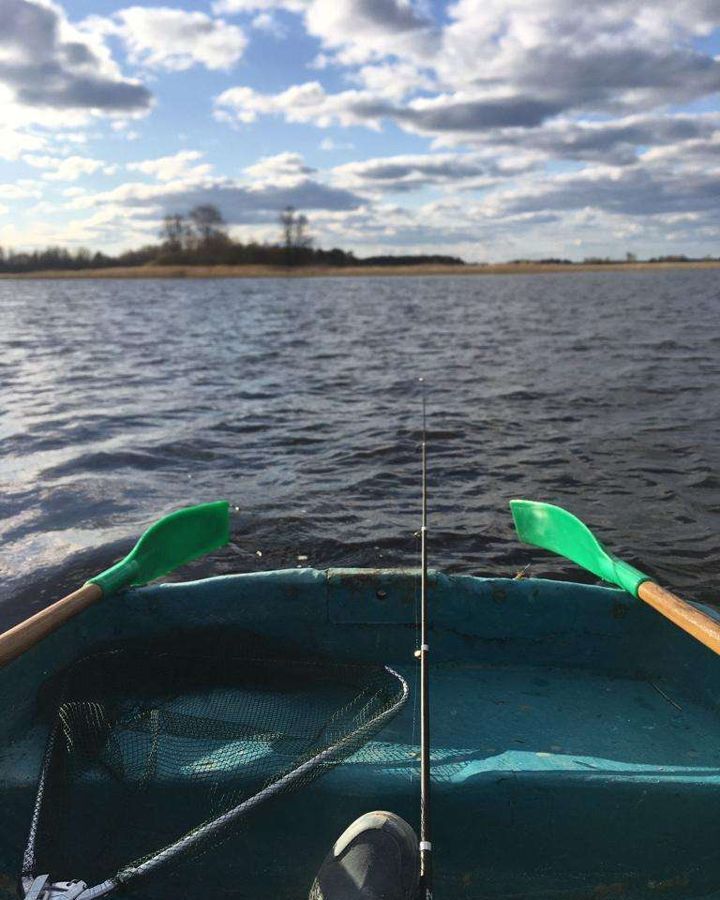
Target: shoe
(376, 858)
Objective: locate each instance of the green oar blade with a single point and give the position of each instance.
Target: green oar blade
(176, 539)
(554, 528)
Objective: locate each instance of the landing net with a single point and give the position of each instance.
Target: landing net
(158, 752)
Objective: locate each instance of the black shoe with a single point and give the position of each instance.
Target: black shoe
(376, 858)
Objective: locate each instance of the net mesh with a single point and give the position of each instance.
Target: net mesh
(159, 750)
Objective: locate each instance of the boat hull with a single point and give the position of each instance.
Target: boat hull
(575, 747)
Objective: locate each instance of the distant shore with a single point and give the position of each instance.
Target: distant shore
(256, 271)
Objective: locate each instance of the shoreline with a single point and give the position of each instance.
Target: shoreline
(257, 271)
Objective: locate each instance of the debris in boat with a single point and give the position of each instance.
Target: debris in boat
(663, 694)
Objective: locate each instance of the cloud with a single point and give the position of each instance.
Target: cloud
(412, 172)
(20, 190)
(614, 78)
(47, 63)
(355, 31)
(305, 103)
(614, 141)
(493, 65)
(282, 166)
(585, 107)
(239, 203)
(114, 227)
(170, 168)
(233, 7)
(461, 113)
(362, 30)
(330, 144)
(627, 54)
(13, 143)
(394, 80)
(161, 37)
(638, 191)
(691, 156)
(69, 168)
(268, 22)
(458, 114)
(461, 118)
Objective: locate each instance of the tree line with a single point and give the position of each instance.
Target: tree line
(201, 237)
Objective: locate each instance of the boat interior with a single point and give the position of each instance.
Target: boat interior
(574, 733)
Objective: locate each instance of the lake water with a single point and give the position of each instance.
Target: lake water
(298, 401)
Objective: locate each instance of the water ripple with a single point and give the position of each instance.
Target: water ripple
(298, 401)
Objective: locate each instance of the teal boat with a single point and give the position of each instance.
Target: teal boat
(575, 734)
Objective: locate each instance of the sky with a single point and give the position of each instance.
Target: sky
(489, 129)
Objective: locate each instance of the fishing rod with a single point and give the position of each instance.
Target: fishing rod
(422, 653)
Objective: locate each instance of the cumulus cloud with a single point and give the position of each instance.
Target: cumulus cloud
(111, 226)
(461, 118)
(330, 145)
(282, 166)
(268, 22)
(305, 102)
(14, 142)
(394, 80)
(240, 203)
(47, 63)
(637, 191)
(456, 114)
(175, 39)
(411, 172)
(20, 190)
(616, 141)
(170, 168)
(355, 31)
(627, 53)
(690, 155)
(494, 65)
(68, 168)
(361, 30)
(232, 7)
(498, 92)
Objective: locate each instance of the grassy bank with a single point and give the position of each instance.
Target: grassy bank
(254, 271)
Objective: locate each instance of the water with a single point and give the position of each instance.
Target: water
(298, 401)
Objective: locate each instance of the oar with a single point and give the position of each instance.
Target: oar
(557, 530)
(176, 539)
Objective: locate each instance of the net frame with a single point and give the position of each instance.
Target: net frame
(305, 770)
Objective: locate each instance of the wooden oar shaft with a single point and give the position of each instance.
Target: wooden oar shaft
(694, 621)
(21, 637)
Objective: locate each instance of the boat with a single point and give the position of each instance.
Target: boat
(575, 736)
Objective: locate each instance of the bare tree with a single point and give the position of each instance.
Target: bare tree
(209, 224)
(302, 238)
(294, 236)
(173, 232)
(287, 223)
